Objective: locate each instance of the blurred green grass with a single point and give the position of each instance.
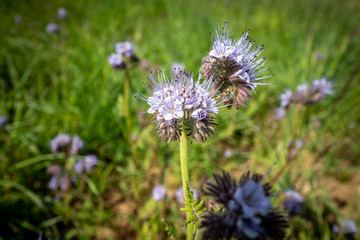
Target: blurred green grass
(63, 83)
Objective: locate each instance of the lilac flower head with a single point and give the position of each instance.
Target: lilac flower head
(246, 211)
(52, 28)
(125, 48)
(179, 101)
(60, 143)
(179, 194)
(116, 61)
(159, 192)
(76, 144)
(293, 202)
(280, 113)
(235, 66)
(3, 121)
(62, 13)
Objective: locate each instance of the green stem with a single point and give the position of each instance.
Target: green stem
(128, 116)
(185, 175)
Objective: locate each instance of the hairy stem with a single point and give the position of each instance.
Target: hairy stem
(185, 175)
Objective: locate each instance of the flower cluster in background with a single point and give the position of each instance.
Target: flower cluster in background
(305, 95)
(235, 66)
(62, 176)
(124, 52)
(246, 210)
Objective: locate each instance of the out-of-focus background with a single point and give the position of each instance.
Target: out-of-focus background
(56, 79)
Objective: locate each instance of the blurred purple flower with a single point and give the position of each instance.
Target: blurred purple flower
(76, 144)
(17, 19)
(89, 162)
(293, 202)
(52, 28)
(125, 48)
(116, 61)
(280, 113)
(62, 13)
(285, 98)
(60, 143)
(159, 192)
(347, 227)
(3, 121)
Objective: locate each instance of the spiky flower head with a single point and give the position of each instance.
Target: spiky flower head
(235, 66)
(293, 202)
(182, 101)
(246, 211)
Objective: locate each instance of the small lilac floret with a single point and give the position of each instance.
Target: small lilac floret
(159, 192)
(125, 48)
(76, 144)
(52, 28)
(116, 61)
(3, 121)
(285, 99)
(60, 142)
(62, 13)
(89, 162)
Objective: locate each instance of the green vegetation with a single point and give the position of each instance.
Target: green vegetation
(62, 83)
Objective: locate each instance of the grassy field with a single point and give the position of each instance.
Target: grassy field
(63, 83)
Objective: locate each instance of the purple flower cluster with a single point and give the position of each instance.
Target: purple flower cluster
(234, 65)
(159, 192)
(62, 13)
(52, 28)
(59, 181)
(179, 101)
(85, 165)
(124, 51)
(305, 94)
(64, 143)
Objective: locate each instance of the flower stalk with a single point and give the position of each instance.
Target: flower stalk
(185, 175)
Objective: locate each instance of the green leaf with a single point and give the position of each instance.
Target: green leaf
(31, 195)
(92, 187)
(35, 160)
(190, 219)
